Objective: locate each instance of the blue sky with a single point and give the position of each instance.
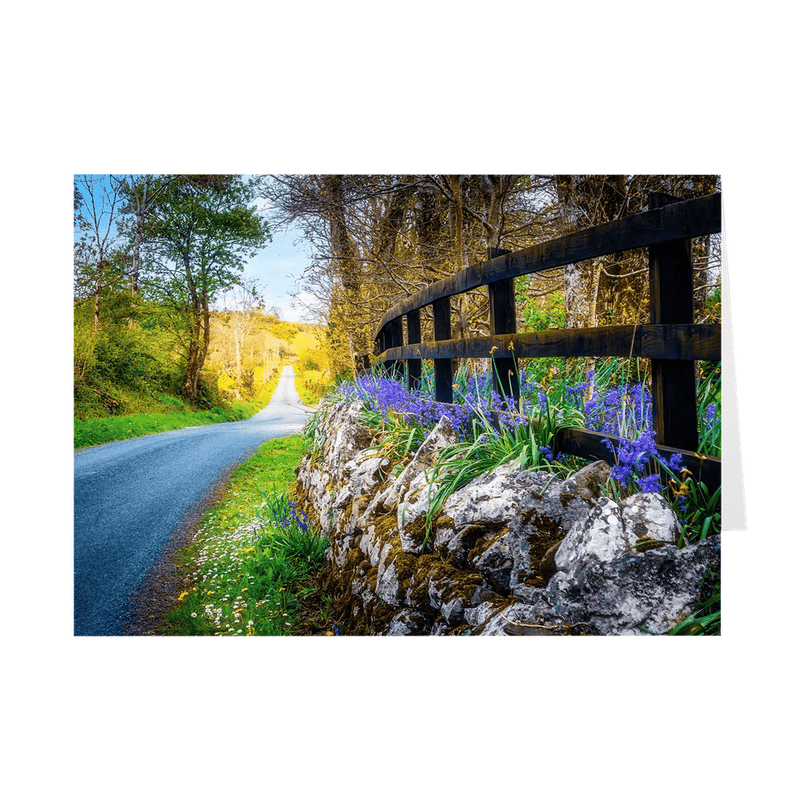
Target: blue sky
(277, 268)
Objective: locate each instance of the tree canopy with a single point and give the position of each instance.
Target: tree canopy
(201, 230)
(379, 238)
(160, 249)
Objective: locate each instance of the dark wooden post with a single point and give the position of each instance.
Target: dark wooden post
(503, 319)
(414, 337)
(672, 303)
(380, 346)
(383, 345)
(442, 367)
(362, 363)
(393, 337)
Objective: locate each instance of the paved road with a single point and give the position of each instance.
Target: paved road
(131, 496)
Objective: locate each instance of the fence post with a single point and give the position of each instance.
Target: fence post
(382, 337)
(414, 337)
(503, 319)
(672, 303)
(442, 367)
(362, 363)
(393, 337)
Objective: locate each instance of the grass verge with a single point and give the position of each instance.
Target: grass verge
(102, 430)
(253, 561)
(310, 386)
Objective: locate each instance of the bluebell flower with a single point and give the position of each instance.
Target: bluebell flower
(650, 483)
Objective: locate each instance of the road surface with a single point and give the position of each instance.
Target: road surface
(132, 496)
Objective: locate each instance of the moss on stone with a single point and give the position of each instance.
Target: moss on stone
(566, 498)
(415, 532)
(486, 536)
(539, 545)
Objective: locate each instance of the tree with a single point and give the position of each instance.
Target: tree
(614, 289)
(379, 238)
(141, 192)
(245, 305)
(97, 201)
(201, 230)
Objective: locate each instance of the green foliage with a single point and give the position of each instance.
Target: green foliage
(696, 505)
(338, 351)
(706, 619)
(201, 231)
(713, 305)
(285, 330)
(538, 313)
(709, 397)
(166, 413)
(120, 367)
(246, 571)
(312, 385)
(290, 535)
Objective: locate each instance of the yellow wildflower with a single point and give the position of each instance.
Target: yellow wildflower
(182, 595)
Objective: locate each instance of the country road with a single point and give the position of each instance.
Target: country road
(132, 497)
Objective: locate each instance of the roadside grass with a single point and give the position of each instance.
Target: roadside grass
(102, 430)
(310, 385)
(253, 561)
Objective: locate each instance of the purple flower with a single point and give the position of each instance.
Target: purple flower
(650, 483)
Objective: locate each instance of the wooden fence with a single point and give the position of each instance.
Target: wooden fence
(671, 339)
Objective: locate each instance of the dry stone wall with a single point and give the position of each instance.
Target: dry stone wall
(511, 553)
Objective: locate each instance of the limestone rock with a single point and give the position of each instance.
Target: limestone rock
(323, 471)
(415, 487)
(649, 515)
(496, 562)
(495, 498)
(512, 553)
(346, 438)
(634, 593)
(363, 475)
(478, 614)
(388, 585)
(547, 566)
(516, 619)
(601, 536)
(409, 623)
(586, 482)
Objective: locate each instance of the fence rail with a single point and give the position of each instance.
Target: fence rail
(671, 339)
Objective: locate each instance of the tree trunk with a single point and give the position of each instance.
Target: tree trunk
(238, 369)
(97, 289)
(458, 222)
(346, 265)
(191, 381)
(141, 210)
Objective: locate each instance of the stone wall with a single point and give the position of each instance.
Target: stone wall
(511, 553)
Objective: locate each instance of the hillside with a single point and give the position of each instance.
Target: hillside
(131, 362)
